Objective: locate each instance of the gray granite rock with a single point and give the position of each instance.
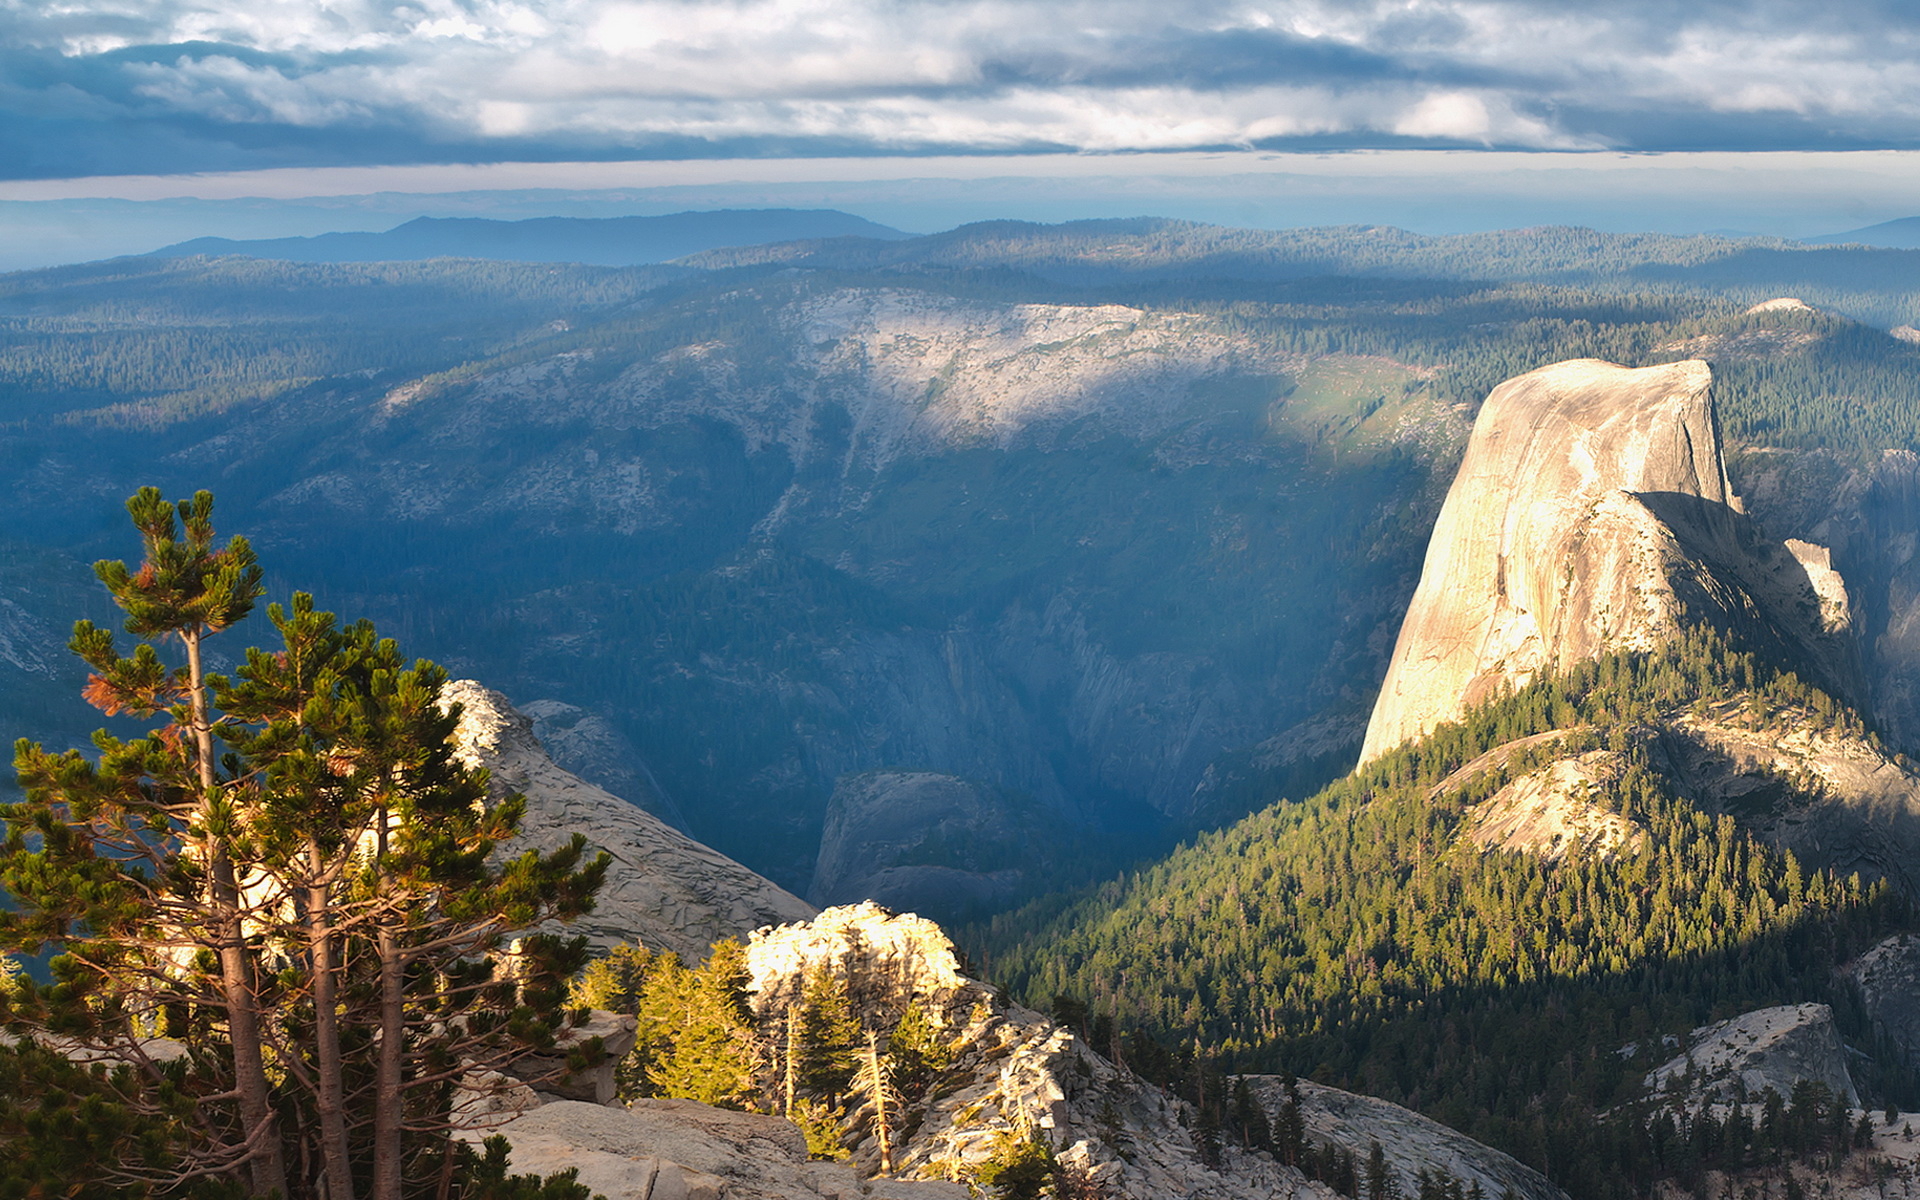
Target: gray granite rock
(664, 890)
(595, 1084)
(1767, 1048)
(1888, 977)
(1542, 555)
(1591, 513)
(1412, 1143)
(1835, 799)
(1554, 810)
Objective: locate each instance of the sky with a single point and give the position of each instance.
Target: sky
(1765, 115)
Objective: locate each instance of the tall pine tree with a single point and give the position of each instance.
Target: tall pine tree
(318, 915)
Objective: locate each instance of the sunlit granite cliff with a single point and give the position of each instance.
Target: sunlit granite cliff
(1592, 513)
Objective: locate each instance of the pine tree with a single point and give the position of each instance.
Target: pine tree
(829, 1036)
(880, 1095)
(616, 982)
(1019, 1167)
(700, 1030)
(1250, 1118)
(322, 894)
(916, 1054)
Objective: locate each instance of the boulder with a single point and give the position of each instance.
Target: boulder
(548, 1075)
(680, 1150)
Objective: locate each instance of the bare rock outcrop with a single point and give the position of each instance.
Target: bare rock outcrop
(680, 1150)
(1833, 797)
(588, 745)
(596, 1084)
(925, 842)
(664, 889)
(1412, 1144)
(1014, 1072)
(1555, 811)
(1024, 1072)
(1542, 554)
(1888, 980)
(886, 957)
(1767, 1048)
(1592, 513)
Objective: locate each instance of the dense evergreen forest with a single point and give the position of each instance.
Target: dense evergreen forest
(1357, 938)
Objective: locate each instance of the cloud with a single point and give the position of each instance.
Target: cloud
(118, 86)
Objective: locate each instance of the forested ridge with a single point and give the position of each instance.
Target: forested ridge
(1355, 939)
(155, 341)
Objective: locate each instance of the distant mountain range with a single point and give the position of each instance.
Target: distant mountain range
(607, 242)
(1903, 234)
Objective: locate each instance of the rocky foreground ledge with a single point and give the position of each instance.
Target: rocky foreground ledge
(1016, 1072)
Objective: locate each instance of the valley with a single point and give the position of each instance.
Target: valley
(1042, 581)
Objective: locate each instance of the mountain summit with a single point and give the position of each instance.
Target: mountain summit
(1592, 513)
(601, 241)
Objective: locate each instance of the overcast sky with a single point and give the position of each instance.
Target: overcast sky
(1439, 115)
(90, 87)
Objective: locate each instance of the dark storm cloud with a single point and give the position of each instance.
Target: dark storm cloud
(111, 86)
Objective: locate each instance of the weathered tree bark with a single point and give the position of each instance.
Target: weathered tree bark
(793, 1053)
(878, 1082)
(237, 982)
(330, 1086)
(388, 1091)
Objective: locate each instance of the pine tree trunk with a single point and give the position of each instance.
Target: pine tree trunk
(793, 1052)
(331, 1086)
(236, 967)
(388, 1114)
(879, 1103)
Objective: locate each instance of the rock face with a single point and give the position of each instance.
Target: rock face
(679, 1150)
(923, 842)
(1767, 1048)
(1831, 797)
(1591, 513)
(840, 449)
(664, 889)
(1888, 979)
(1542, 554)
(1869, 514)
(1800, 782)
(1412, 1143)
(1552, 811)
(589, 746)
